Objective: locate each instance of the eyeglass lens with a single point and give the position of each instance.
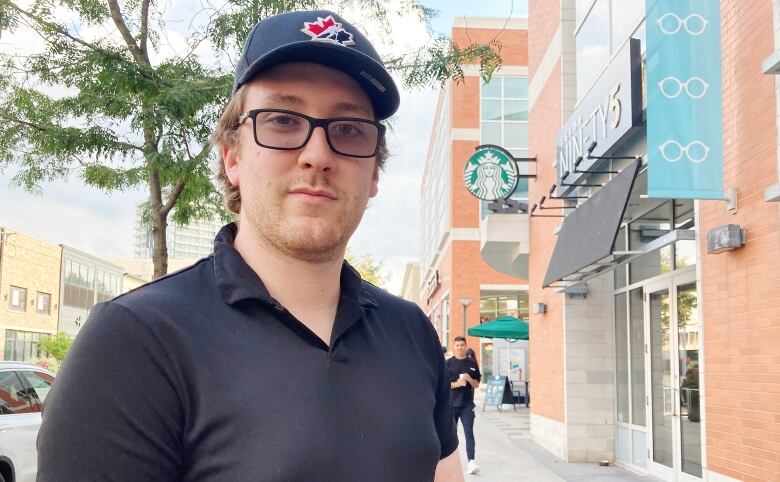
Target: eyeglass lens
(289, 131)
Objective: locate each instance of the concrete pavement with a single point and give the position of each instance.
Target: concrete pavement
(505, 452)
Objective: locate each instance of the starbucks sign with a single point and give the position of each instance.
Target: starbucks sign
(490, 173)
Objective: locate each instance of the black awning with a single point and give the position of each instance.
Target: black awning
(588, 234)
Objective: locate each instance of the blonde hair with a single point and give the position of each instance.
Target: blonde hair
(226, 135)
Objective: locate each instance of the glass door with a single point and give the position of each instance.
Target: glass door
(671, 309)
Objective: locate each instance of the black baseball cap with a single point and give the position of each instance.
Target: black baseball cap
(323, 37)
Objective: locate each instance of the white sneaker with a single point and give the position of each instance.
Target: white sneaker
(472, 468)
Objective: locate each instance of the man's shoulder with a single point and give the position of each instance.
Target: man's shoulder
(182, 286)
(386, 301)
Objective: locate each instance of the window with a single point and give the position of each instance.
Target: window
(40, 382)
(603, 26)
(445, 321)
(504, 122)
(492, 307)
(18, 299)
(621, 357)
(22, 345)
(43, 303)
(13, 396)
(630, 357)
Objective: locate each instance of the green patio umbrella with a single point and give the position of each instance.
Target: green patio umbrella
(506, 327)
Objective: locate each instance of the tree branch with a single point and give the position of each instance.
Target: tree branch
(173, 197)
(40, 128)
(61, 31)
(116, 15)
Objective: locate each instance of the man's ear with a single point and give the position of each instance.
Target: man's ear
(230, 159)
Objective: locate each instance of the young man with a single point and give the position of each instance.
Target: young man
(464, 378)
(269, 360)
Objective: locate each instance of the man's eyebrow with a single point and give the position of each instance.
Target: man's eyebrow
(285, 98)
(349, 107)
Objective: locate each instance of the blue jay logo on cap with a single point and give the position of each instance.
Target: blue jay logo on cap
(328, 30)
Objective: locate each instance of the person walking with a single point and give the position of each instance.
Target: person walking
(464, 378)
(270, 360)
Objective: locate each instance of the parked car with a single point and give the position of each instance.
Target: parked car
(23, 389)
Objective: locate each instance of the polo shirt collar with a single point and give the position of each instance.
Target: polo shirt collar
(237, 281)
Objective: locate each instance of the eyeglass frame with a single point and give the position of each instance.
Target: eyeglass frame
(314, 122)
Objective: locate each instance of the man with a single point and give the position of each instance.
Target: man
(269, 360)
(464, 378)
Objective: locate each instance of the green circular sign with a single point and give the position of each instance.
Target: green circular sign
(490, 174)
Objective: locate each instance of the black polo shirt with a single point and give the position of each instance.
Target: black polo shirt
(203, 376)
(463, 396)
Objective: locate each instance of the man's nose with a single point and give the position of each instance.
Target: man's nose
(317, 153)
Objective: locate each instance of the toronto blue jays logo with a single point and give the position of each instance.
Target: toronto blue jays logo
(328, 30)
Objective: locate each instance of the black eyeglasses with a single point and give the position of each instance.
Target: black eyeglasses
(288, 130)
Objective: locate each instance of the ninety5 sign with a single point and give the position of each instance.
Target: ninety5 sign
(611, 110)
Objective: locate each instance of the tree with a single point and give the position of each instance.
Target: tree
(57, 346)
(370, 269)
(111, 108)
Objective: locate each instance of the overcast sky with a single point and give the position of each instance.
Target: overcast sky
(103, 223)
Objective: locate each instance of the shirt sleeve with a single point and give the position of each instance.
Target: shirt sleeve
(442, 415)
(113, 413)
(478, 375)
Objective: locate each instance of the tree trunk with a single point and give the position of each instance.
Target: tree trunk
(160, 243)
(159, 226)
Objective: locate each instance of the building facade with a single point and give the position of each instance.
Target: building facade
(29, 293)
(86, 281)
(459, 288)
(193, 241)
(661, 354)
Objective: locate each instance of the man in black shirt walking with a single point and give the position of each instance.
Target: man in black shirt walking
(464, 378)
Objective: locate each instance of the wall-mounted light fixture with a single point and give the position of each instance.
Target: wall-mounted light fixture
(566, 174)
(540, 308)
(544, 198)
(725, 238)
(578, 161)
(553, 196)
(533, 208)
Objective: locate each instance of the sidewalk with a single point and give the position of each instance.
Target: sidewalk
(505, 452)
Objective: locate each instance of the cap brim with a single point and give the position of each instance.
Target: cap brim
(367, 72)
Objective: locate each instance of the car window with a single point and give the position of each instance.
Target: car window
(13, 395)
(41, 383)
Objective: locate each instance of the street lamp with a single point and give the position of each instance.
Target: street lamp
(465, 303)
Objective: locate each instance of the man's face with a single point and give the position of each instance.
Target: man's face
(305, 203)
(460, 349)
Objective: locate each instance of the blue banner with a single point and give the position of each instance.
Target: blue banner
(684, 99)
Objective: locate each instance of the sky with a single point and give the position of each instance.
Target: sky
(69, 212)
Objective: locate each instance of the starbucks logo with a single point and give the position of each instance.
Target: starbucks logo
(490, 174)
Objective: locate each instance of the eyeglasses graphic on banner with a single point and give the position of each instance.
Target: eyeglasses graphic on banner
(695, 151)
(670, 23)
(672, 87)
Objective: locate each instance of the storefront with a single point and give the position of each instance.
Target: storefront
(654, 240)
(459, 286)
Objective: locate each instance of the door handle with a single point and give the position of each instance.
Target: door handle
(668, 408)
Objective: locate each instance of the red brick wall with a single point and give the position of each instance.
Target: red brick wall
(544, 18)
(514, 43)
(546, 330)
(740, 294)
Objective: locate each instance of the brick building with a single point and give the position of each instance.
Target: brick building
(456, 280)
(662, 355)
(29, 293)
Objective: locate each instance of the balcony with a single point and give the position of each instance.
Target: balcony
(503, 242)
